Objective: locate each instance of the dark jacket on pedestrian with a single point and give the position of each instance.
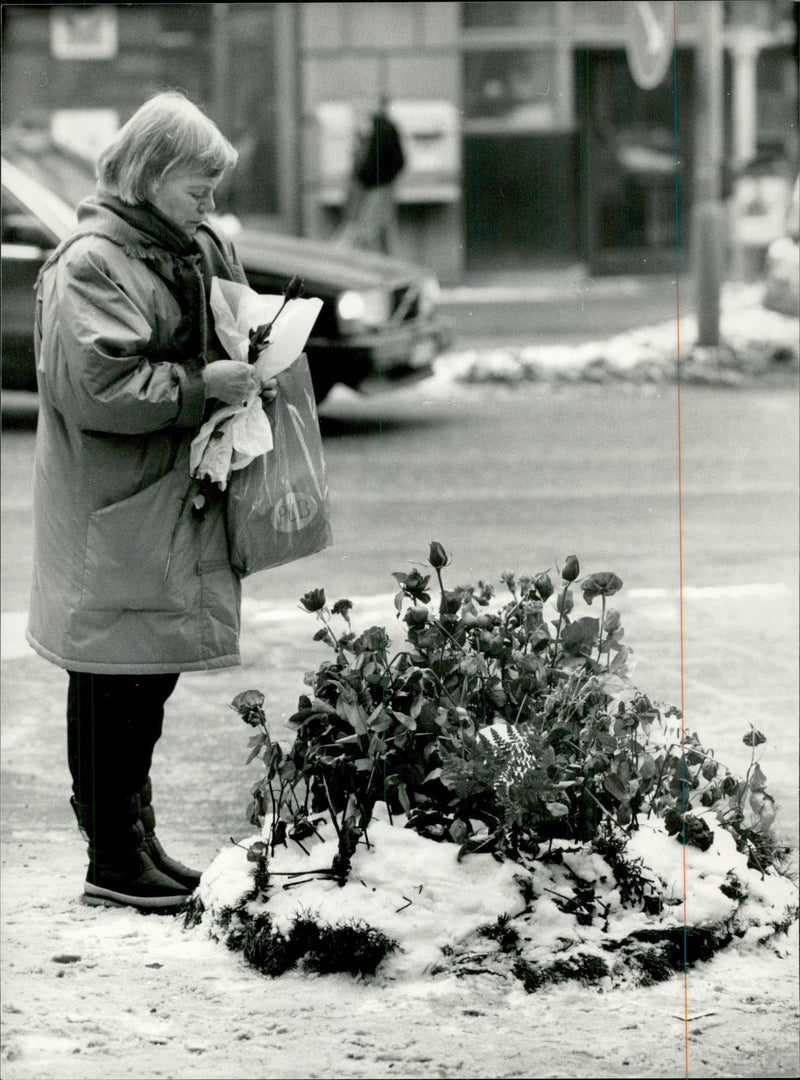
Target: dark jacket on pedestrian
(126, 579)
(381, 158)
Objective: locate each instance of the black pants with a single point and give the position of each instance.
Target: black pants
(113, 724)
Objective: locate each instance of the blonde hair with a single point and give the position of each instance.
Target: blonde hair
(165, 133)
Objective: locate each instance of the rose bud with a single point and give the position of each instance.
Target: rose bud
(294, 288)
(544, 586)
(437, 556)
(571, 568)
(314, 600)
(416, 616)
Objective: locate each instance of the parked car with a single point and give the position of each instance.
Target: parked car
(378, 326)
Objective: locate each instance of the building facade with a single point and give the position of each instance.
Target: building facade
(528, 140)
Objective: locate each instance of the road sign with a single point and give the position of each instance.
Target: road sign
(649, 40)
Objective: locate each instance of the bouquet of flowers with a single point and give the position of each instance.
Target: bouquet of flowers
(247, 325)
(267, 460)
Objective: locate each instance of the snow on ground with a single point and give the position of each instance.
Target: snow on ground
(416, 892)
(755, 344)
(90, 993)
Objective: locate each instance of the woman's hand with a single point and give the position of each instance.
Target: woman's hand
(269, 390)
(231, 381)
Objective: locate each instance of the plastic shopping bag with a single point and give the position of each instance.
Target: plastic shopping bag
(277, 505)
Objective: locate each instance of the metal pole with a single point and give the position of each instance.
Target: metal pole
(709, 219)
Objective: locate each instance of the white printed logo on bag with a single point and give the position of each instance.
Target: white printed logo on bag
(294, 512)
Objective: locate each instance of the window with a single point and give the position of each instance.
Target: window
(517, 87)
(507, 15)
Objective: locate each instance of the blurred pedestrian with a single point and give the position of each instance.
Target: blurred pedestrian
(131, 581)
(369, 218)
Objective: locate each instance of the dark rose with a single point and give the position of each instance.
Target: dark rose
(571, 568)
(294, 288)
(544, 586)
(343, 608)
(257, 851)
(437, 556)
(416, 616)
(754, 738)
(415, 586)
(374, 639)
(250, 706)
(603, 584)
(313, 600)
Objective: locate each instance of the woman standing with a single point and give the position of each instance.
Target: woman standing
(131, 584)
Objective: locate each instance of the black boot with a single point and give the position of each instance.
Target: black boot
(121, 872)
(187, 877)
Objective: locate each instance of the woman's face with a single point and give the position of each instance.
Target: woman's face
(186, 198)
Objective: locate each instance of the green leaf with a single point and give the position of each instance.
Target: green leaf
(615, 786)
(353, 712)
(709, 769)
(763, 806)
(580, 633)
(458, 831)
(557, 809)
(758, 780)
(647, 767)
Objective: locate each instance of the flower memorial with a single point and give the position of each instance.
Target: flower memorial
(493, 795)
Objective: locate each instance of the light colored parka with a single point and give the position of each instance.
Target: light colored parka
(125, 578)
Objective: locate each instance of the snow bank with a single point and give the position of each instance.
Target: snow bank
(755, 343)
(480, 914)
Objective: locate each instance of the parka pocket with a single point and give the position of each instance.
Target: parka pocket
(138, 550)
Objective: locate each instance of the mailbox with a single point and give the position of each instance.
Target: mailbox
(431, 143)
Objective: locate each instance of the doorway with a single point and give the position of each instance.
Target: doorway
(634, 165)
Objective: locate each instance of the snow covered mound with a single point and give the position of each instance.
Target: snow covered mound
(410, 907)
(756, 343)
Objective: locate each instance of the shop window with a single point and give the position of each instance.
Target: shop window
(507, 15)
(605, 13)
(777, 100)
(514, 87)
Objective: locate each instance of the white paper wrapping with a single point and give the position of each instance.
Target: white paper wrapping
(237, 434)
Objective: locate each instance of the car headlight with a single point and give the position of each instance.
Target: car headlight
(429, 296)
(366, 308)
